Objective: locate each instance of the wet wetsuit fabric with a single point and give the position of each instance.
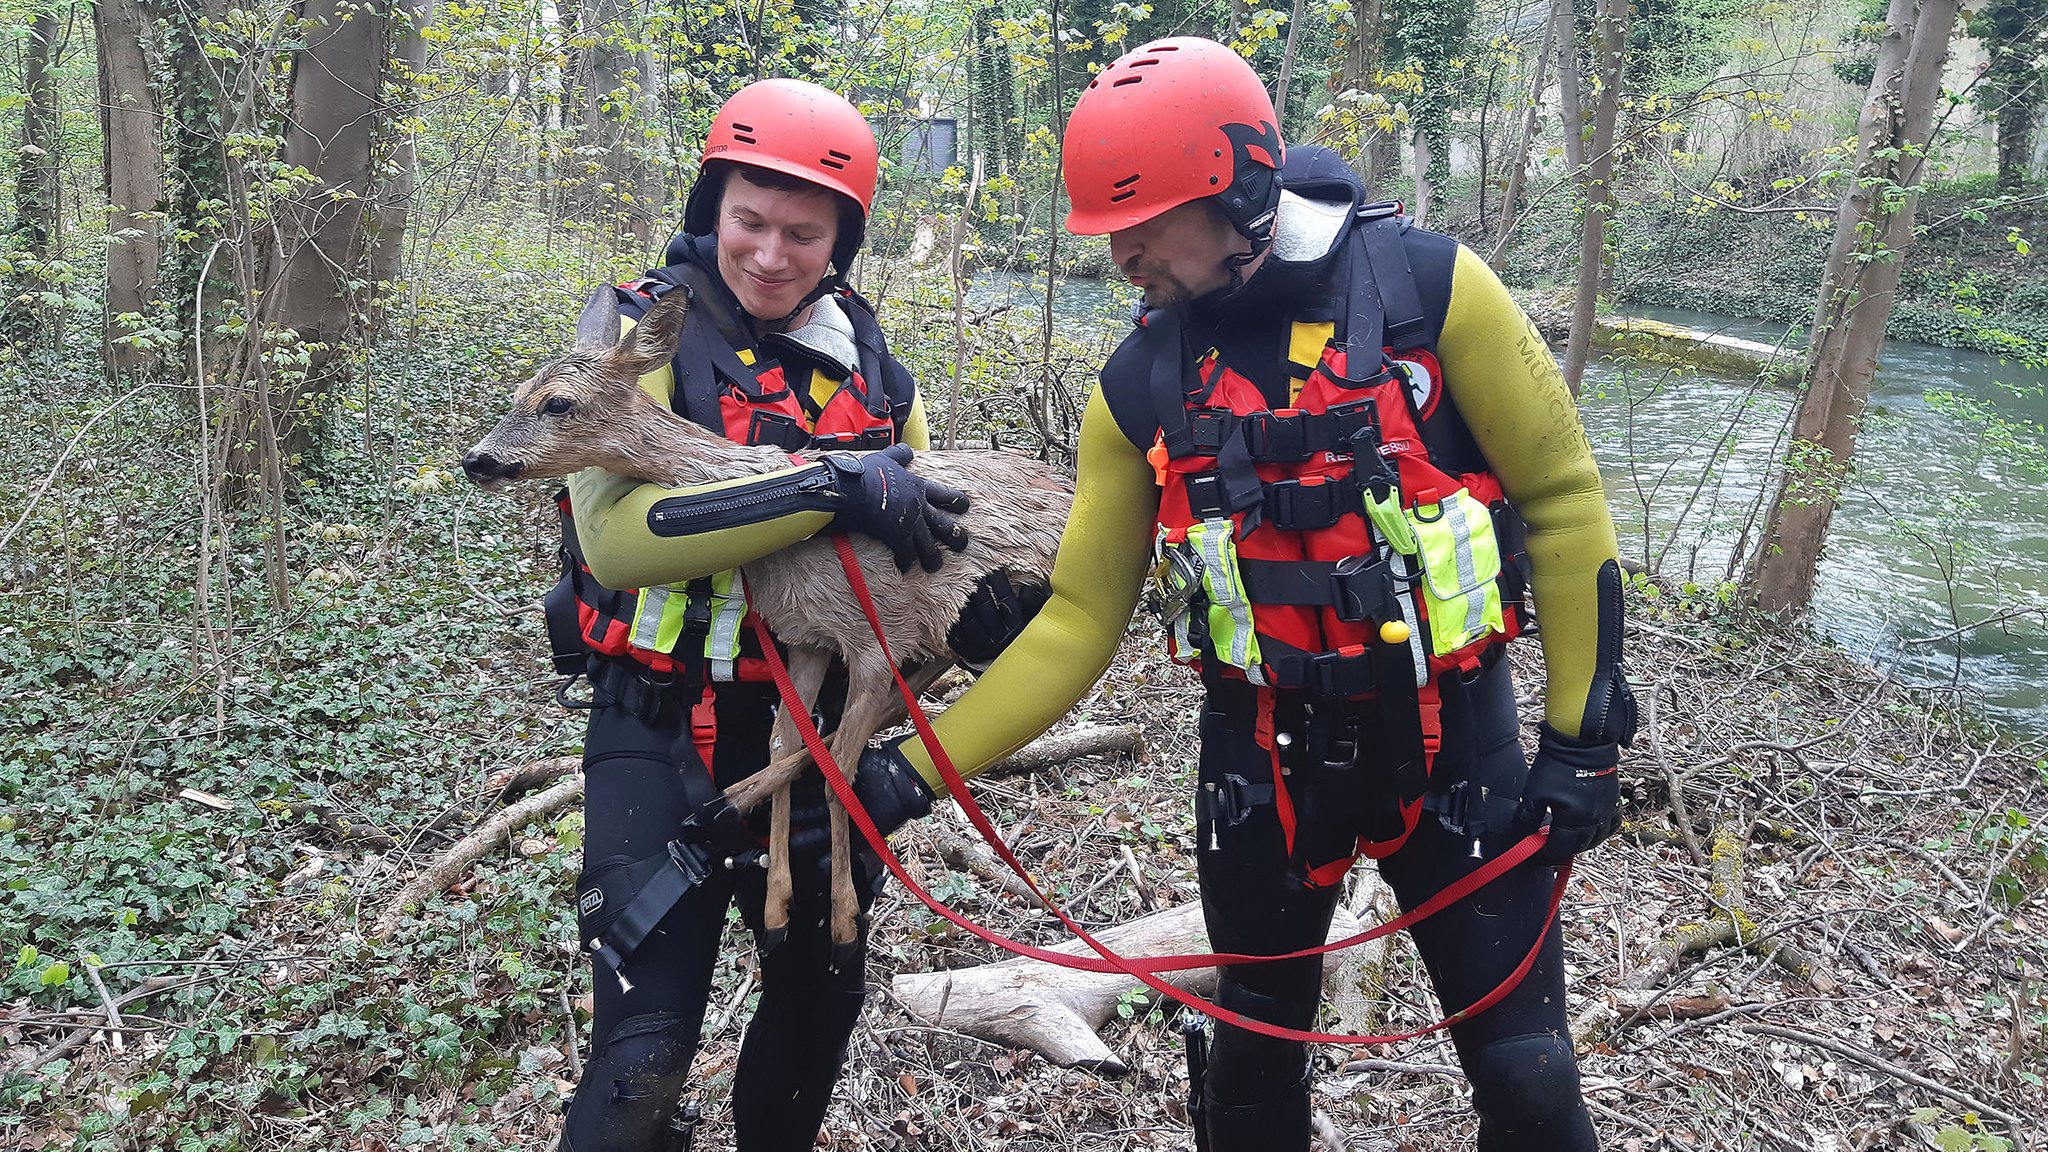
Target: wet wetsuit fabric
(1512, 399)
(642, 1041)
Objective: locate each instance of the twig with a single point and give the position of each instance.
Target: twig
(92, 973)
(575, 1044)
(474, 847)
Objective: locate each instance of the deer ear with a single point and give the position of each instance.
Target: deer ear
(598, 326)
(654, 338)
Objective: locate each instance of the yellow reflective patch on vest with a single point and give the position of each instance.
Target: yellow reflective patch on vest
(823, 389)
(747, 356)
(1305, 344)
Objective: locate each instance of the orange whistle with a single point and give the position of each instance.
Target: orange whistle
(1156, 456)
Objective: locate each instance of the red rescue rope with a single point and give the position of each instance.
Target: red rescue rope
(1142, 969)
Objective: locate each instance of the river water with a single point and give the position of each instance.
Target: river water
(1938, 528)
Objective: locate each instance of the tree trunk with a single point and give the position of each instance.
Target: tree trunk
(1873, 229)
(1359, 72)
(1287, 65)
(1571, 102)
(326, 233)
(1612, 30)
(611, 111)
(133, 156)
(37, 215)
(394, 153)
(1518, 168)
(1424, 190)
(2016, 138)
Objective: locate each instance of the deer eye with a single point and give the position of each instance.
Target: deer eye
(558, 405)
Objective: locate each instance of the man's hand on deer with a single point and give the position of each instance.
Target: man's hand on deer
(889, 502)
(886, 785)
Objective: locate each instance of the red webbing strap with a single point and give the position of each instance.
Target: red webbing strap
(1141, 969)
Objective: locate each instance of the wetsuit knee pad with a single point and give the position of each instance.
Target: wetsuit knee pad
(1526, 1086)
(1247, 1066)
(631, 1087)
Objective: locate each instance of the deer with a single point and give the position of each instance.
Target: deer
(587, 410)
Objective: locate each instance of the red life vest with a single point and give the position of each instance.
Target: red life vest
(1312, 549)
(697, 631)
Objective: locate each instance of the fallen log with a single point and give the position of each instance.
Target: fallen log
(1089, 740)
(1054, 1011)
(474, 847)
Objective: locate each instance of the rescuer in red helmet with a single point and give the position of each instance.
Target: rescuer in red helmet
(1345, 457)
(777, 350)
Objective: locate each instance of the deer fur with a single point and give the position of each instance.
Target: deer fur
(587, 410)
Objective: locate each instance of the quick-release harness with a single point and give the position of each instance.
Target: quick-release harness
(1344, 551)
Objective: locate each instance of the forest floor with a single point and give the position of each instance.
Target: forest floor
(198, 841)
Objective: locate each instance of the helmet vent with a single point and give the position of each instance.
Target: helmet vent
(835, 159)
(744, 133)
(1125, 188)
(1128, 80)
(743, 138)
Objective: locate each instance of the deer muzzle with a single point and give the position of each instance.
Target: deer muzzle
(487, 471)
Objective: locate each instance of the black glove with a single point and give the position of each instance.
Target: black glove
(886, 785)
(1579, 785)
(995, 614)
(883, 499)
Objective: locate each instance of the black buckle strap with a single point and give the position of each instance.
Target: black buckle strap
(1289, 436)
(1232, 799)
(1324, 676)
(653, 697)
(659, 882)
(1356, 588)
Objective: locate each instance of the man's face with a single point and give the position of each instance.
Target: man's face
(774, 247)
(1179, 255)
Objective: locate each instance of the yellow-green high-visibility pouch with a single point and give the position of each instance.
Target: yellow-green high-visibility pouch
(1230, 607)
(1460, 557)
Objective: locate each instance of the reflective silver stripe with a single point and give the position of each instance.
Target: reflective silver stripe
(647, 617)
(1468, 577)
(1402, 567)
(722, 646)
(1215, 538)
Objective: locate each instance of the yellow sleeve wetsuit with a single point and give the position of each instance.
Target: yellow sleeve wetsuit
(1507, 387)
(612, 515)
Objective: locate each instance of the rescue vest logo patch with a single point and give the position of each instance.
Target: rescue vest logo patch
(591, 900)
(1424, 380)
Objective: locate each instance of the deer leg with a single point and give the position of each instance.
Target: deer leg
(747, 794)
(807, 667)
(871, 701)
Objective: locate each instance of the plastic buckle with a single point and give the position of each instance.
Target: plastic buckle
(1207, 430)
(1362, 589)
(1357, 426)
(1299, 506)
(1340, 674)
(1279, 436)
(1206, 496)
(774, 429)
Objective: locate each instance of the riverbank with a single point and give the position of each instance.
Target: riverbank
(1970, 281)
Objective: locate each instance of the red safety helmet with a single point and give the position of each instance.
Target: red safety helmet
(799, 129)
(1173, 121)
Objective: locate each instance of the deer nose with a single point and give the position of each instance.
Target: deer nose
(482, 466)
